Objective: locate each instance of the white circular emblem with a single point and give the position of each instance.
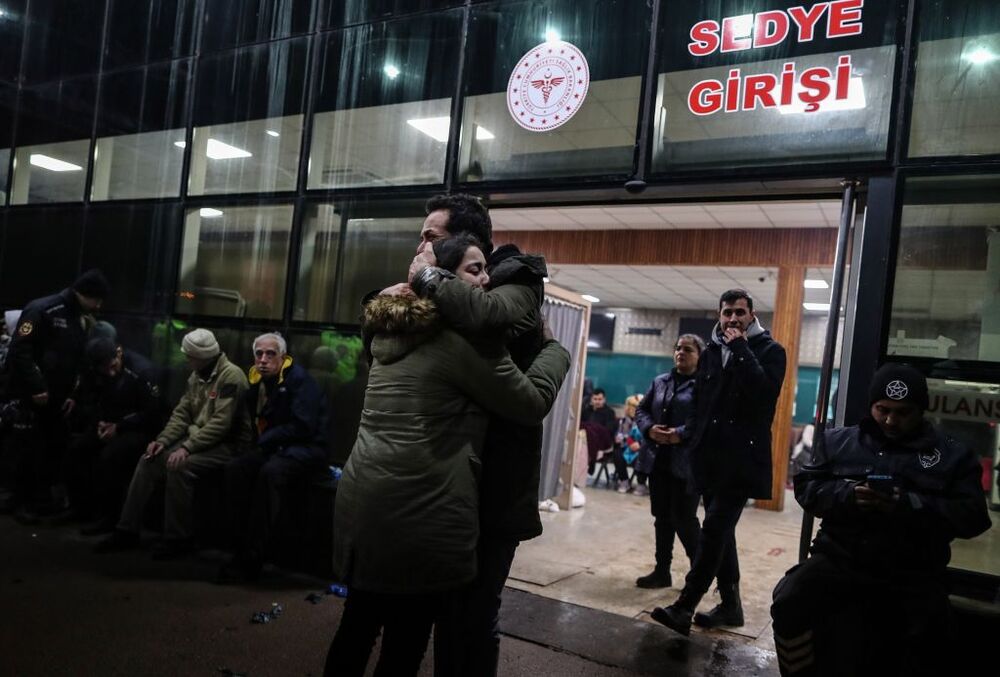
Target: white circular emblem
(548, 86)
(897, 390)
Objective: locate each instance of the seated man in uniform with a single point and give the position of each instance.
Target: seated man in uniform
(892, 493)
(121, 402)
(288, 415)
(208, 426)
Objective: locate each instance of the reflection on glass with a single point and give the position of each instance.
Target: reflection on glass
(599, 139)
(233, 261)
(377, 254)
(956, 95)
(946, 297)
(138, 166)
(25, 275)
(4, 175)
(968, 412)
(52, 172)
(317, 280)
(851, 124)
(244, 157)
(398, 144)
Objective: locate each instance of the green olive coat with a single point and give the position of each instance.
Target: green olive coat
(407, 513)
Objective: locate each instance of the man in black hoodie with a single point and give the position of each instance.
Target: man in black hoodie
(737, 385)
(892, 493)
(508, 316)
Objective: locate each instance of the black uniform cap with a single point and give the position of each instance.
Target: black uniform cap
(92, 284)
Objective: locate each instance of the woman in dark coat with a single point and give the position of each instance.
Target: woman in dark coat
(673, 499)
(407, 515)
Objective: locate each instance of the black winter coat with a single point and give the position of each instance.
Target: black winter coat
(730, 434)
(46, 353)
(653, 410)
(295, 414)
(941, 499)
(131, 400)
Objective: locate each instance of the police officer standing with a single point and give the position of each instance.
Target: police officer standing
(45, 357)
(892, 493)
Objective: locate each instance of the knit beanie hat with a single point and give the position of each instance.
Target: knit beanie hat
(100, 351)
(92, 284)
(899, 383)
(200, 344)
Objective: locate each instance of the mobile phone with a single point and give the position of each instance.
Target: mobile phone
(883, 484)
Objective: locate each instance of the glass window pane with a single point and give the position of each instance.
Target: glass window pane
(139, 32)
(248, 120)
(956, 96)
(122, 242)
(613, 36)
(53, 138)
(23, 276)
(233, 261)
(8, 100)
(317, 279)
(347, 12)
(139, 126)
(946, 296)
(62, 39)
(240, 22)
(377, 253)
(760, 90)
(385, 103)
(11, 36)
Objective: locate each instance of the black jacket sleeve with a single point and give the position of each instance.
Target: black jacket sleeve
(819, 490)
(28, 338)
(148, 407)
(958, 512)
(762, 377)
(644, 413)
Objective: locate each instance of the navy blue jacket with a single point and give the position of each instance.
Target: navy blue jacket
(734, 406)
(46, 353)
(941, 499)
(293, 420)
(132, 399)
(662, 399)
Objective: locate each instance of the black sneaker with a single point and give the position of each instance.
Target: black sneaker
(118, 541)
(657, 579)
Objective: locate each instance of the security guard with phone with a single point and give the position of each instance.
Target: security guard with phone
(892, 493)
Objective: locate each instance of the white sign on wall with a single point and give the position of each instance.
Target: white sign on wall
(548, 86)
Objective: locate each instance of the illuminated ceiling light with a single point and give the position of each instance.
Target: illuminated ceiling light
(223, 151)
(180, 144)
(391, 71)
(483, 134)
(209, 213)
(436, 128)
(52, 164)
(979, 56)
(545, 280)
(591, 298)
(816, 284)
(552, 35)
(817, 306)
(273, 133)
(854, 101)
(610, 316)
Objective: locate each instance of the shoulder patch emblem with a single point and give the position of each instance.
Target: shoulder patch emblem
(930, 459)
(25, 328)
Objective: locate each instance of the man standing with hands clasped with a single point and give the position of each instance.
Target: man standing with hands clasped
(736, 390)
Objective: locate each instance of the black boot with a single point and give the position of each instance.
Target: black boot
(659, 578)
(677, 616)
(729, 612)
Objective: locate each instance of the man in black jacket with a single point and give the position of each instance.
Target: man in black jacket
(736, 390)
(45, 358)
(892, 493)
(288, 416)
(122, 402)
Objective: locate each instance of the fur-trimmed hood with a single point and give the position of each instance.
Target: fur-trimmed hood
(399, 324)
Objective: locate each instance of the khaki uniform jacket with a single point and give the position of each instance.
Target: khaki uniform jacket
(209, 414)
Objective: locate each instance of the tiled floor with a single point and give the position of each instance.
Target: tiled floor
(591, 556)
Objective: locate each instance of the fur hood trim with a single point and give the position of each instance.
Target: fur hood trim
(400, 315)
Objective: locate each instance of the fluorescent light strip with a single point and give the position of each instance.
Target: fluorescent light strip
(591, 298)
(52, 164)
(209, 213)
(436, 128)
(223, 151)
(816, 306)
(816, 284)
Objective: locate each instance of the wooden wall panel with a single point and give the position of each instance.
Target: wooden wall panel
(763, 247)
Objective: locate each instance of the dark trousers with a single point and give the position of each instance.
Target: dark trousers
(405, 622)
(257, 485)
(621, 467)
(39, 447)
(716, 556)
(98, 471)
(675, 511)
(834, 618)
(467, 638)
